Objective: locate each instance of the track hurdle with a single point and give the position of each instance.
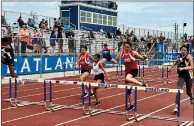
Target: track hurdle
(177, 119)
(14, 100)
(138, 117)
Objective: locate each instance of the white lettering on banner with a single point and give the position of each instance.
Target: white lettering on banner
(59, 64)
(68, 61)
(25, 66)
(8, 72)
(168, 57)
(37, 62)
(46, 63)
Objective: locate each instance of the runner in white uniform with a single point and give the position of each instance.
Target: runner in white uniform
(98, 71)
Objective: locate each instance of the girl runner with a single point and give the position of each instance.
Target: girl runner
(131, 68)
(184, 65)
(99, 71)
(106, 55)
(84, 60)
(7, 58)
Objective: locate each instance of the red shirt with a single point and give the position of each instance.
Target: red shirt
(130, 64)
(84, 62)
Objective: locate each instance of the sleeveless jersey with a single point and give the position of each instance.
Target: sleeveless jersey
(106, 53)
(84, 62)
(184, 62)
(130, 64)
(96, 69)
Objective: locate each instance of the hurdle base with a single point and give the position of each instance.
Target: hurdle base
(179, 122)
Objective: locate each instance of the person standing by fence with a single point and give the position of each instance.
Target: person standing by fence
(24, 38)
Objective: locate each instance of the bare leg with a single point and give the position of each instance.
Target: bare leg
(12, 72)
(95, 90)
(113, 61)
(129, 78)
(83, 78)
(130, 96)
(103, 60)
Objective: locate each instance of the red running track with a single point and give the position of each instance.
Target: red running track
(160, 104)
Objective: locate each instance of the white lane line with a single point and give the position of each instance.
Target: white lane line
(149, 114)
(80, 104)
(107, 110)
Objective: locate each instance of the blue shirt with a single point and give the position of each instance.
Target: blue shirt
(67, 28)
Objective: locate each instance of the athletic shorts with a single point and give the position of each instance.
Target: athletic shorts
(133, 72)
(88, 70)
(99, 77)
(108, 58)
(7, 60)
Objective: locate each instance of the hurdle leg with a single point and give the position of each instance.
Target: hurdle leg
(83, 100)
(13, 100)
(179, 104)
(48, 108)
(135, 104)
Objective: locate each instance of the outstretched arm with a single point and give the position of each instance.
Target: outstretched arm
(91, 58)
(102, 67)
(136, 54)
(119, 55)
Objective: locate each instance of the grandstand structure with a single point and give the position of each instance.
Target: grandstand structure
(84, 17)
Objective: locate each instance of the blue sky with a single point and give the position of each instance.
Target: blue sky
(151, 15)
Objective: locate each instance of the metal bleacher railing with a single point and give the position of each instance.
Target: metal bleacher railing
(93, 44)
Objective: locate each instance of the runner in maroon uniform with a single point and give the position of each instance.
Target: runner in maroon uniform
(84, 61)
(131, 69)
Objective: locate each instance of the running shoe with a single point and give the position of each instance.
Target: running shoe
(85, 95)
(144, 85)
(175, 110)
(21, 80)
(192, 101)
(92, 94)
(130, 107)
(97, 103)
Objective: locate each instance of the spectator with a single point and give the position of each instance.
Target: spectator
(16, 40)
(24, 38)
(46, 25)
(71, 43)
(118, 32)
(55, 24)
(82, 41)
(109, 35)
(20, 21)
(67, 29)
(30, 22)
(59, 20)
(53, 37)
(60, 38)
(42, 24)
(185, 37)
(127, 33)
(43, 42)
(36, 41)
(91, 35)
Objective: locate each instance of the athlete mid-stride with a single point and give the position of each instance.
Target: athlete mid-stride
(131, 69)
(84, 61)
(7, 58)
(98, 71)
(106, 55)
